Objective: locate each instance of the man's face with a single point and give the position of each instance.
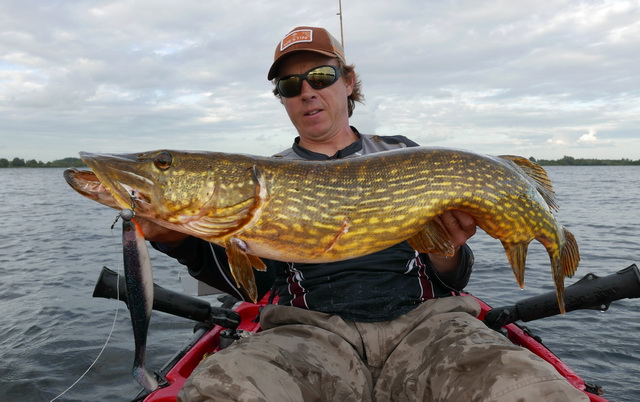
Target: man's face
(317, 114)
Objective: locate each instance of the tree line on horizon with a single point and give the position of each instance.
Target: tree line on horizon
(571, 161)
(19, 163)
(565, 161)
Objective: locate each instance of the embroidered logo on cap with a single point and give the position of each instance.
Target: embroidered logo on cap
(300, 36)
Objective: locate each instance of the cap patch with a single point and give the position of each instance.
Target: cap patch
(299, 36)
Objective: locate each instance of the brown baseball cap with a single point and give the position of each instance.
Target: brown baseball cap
(308, 39)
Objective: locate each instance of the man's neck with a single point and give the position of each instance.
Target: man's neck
(332, 145)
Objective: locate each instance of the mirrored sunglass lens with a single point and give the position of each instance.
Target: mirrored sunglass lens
(289, 87)
(321, 77)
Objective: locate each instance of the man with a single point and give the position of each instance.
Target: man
(387, 326)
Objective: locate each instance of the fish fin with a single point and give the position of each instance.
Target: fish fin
(570, 255)
(257, 263)
(539, 176)
(558, 279)
(432, 239)
(517, 255)
(567, 266)
(564, 263)
(240, 264)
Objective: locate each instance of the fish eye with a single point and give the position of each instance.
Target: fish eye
(163, 160)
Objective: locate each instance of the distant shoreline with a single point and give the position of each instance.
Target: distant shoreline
(59, 163)
(565, 161)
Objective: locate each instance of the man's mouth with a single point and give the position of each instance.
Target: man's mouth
(313, 112)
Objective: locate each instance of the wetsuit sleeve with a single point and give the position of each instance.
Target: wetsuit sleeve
(207, 262)
(458, 279)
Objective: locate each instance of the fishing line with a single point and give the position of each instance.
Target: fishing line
(113, 324)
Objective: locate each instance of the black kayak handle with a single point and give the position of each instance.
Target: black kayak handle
(110, 285)
(590, 292)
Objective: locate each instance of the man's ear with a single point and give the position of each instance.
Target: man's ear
(350, 83)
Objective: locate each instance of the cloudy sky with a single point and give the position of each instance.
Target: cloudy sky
(543, 79)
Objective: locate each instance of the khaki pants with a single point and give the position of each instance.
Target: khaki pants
(437, 352)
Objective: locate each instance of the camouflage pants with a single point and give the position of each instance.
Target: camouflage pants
(437, 352)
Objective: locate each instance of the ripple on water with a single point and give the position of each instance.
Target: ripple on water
(53, 329)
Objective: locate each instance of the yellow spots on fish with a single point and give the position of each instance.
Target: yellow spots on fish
(293, 209)
(383, 230)
(322, 225)
(360, 231)
(375, 200)
(393, 219)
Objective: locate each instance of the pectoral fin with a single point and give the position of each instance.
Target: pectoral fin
(432, 239)
(241, 265)
(517, 254)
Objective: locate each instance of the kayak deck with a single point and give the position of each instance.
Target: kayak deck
(208, 341)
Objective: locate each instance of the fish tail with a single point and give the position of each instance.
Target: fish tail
(570, 255)
(145, 379)
(565, 265)
(558, 279)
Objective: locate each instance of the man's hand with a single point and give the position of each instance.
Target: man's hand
(156, 233)
(460, 226)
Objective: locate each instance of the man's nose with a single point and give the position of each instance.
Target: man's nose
(307, 91)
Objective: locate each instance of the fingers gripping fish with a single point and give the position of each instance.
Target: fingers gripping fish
(321, 211)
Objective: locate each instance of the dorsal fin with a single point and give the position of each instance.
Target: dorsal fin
(539, 176)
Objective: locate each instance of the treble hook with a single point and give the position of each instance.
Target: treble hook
(126, 214)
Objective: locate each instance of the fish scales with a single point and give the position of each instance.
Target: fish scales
(380, 203)
(321, 211)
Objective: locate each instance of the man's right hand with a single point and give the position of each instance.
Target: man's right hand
(156, 233)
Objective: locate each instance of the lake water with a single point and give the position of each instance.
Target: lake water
(53, 243)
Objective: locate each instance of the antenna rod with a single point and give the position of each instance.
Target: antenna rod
(340, 14)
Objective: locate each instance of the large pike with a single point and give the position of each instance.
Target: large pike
(310, 211)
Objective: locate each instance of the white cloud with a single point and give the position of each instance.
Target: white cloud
(590, 139)
(561, 142)
(505, 77)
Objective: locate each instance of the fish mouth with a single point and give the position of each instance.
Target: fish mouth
(122, 176)
(86, 183)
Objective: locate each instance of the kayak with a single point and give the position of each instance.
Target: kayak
(218, 327)
(210, 342)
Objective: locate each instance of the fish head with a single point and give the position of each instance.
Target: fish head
(168, 186)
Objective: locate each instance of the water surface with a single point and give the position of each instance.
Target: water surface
(53, 243)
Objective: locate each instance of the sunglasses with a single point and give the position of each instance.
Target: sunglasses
(318, 77)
